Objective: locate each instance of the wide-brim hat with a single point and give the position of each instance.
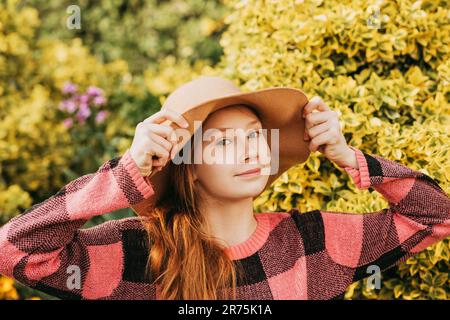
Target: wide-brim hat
(278, 108)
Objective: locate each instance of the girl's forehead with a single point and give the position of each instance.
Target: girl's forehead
(231, 117)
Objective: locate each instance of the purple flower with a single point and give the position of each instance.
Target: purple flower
(100, 117)
(99, 100)
(83, 106)
(83, 113)
(68, 123)
(84, 99)
(70, 87)
(68, 105)
(94, 91)
(71, 106)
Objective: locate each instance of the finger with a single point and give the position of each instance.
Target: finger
(159, 163)
(316, 130)
(168, 114)
(316, 118)
(322, 139)
(161, 141)
(316, 103)
(158, 151)
(161, 130)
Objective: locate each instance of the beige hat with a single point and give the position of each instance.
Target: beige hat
(278, 108)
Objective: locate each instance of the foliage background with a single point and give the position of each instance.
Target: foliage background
(383, 65)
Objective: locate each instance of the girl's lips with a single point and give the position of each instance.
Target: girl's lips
(250, 173)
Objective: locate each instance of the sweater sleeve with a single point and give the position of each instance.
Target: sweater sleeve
(45, 247)
(417, 217)
(341, 248)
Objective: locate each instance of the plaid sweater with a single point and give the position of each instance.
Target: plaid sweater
(290, 255)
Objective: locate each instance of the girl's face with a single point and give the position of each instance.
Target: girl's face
(225, 154)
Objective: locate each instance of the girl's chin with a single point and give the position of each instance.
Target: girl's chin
(250, 190)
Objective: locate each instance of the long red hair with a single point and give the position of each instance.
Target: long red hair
(185, 261)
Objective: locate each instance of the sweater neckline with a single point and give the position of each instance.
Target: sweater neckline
(253, 243)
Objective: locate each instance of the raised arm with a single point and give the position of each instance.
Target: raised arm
(44, 245)
(418, 216)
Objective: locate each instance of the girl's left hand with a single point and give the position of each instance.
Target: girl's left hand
(323, 130)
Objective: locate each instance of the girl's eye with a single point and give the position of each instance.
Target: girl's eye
(221, 142)
(255, 132)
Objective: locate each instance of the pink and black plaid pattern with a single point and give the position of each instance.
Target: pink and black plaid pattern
(292, 255)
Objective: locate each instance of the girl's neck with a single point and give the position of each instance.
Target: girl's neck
(230, 222)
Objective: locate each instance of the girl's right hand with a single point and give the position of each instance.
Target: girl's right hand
(153, 142)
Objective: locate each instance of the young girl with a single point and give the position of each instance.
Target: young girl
(204, 241)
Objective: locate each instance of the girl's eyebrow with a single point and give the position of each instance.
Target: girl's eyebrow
(209, 133)
(254, 121)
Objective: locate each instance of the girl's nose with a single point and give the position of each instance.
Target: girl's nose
(248, 151)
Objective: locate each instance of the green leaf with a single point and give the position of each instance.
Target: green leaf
(438, 293)
(398, 290)
(313, 163)
(295, 187)
(440, 279)
(322, 187)
(389, 100)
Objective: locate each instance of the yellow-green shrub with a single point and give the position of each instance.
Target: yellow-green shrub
(36, 150)
(7, 289)
(34, 145)
(140, 32)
